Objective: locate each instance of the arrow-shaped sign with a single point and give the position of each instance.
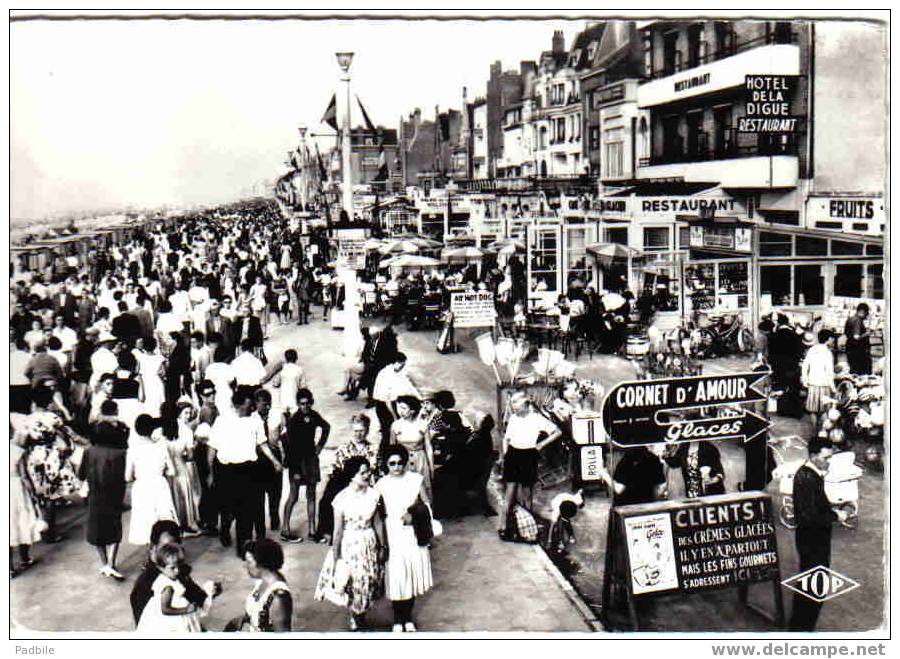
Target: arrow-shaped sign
(745, 426)
(630, 411)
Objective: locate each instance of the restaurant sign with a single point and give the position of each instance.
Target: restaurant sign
(688, 204)
(768, 105)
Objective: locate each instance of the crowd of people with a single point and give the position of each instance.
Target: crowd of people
(139, 381)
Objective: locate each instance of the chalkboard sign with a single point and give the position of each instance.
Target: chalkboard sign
(692, 545)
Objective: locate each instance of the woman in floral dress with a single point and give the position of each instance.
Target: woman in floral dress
(359, 445)
(353, 568)
(50, 461)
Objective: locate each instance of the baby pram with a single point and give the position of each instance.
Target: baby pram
(841, 480)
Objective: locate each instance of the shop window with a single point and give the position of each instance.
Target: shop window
(576, 255)
(619, 236)
(809, 286)
(684, 237)
(734, 288)
(844, 248)
(775, 280)
(656, 238)
(775, 244)
(811, 246)
(875, 281)
(544, 264)
(848, 280)
(874, 250)
(700, 286)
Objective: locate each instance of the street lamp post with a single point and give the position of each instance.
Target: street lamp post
(344, 60)
(349, 315)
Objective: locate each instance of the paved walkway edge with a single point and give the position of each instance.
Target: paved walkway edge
(589, 618)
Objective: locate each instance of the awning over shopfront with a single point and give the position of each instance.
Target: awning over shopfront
(663, 189)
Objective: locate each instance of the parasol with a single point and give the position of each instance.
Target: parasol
(606, 253)
(373, 244)
(613, 301)
(408, 246)
(507, 246)
(461, 254)
(408, 261)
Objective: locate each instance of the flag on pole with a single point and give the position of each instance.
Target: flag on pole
(330, 116)
(323, 173)
(382, 174)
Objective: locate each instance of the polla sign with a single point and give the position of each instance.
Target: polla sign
(652, 411)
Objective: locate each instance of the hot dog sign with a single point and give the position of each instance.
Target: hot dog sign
(678, 410)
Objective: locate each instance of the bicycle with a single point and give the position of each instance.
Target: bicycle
(722, 337)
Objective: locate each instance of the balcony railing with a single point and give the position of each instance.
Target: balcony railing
(727, 49)
(729, 145)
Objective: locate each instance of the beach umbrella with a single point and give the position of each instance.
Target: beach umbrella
(507, 246)
(408, 246)
(424, 241)
(409, 261)
(606, 253)
(461, 254)
(613, 301)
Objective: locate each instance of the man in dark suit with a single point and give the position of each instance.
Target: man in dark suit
(86, 310)
(126, 325)
(65, 305)
(216, 323)
(378, 353)
(247, 326)
(785, 350)
(814, 516)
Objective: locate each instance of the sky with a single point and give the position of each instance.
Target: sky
(146, 114)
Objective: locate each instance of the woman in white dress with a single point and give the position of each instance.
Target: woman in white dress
(148, 464)
(151, 366)
(409, 565)
(258, 304)
(186, 482)
(166, 323)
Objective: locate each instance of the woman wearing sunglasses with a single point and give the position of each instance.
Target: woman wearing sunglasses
(408, 565)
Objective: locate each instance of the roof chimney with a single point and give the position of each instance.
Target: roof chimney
(559, 42)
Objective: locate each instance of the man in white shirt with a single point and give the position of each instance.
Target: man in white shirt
(103, 360)
(66, 335)
(248, 369)
(234, 443)
(391, 382)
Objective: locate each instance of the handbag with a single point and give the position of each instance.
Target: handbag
(421, 522)
(336, 591)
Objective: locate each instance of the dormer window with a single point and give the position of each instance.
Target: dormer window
(591, 51)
